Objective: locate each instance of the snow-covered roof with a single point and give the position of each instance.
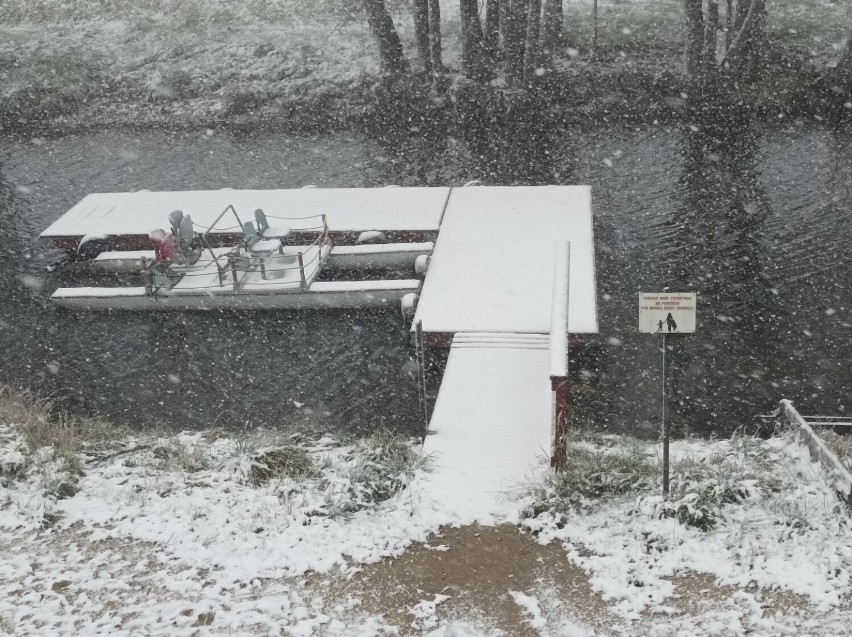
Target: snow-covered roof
(493, 264)
(348, 209)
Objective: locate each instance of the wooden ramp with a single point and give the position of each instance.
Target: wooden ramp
(491, 427)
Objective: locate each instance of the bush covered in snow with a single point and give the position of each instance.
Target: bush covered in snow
(39, 462)
(751, 512)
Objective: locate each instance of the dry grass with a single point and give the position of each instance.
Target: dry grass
(840, 444)
(40, 426)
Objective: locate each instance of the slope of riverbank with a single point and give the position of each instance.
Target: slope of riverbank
(109, 531)
(298, 66)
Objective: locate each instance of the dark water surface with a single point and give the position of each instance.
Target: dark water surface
(755, 219)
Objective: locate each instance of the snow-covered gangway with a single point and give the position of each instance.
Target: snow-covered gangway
(506, 264)
(491, 424)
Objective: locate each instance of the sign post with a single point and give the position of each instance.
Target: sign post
(667, 313)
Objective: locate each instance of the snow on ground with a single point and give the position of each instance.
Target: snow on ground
(160, 538)
(778, 526)
(199, 534)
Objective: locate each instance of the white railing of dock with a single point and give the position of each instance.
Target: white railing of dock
(839, 476)
(559, 353)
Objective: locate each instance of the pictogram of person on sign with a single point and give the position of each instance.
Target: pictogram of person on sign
(670, 322)
(660, 325)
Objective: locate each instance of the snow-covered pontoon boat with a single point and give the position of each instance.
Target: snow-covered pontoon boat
(269, 268)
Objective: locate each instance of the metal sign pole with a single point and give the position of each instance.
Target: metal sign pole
(666, 314)
(667, 412)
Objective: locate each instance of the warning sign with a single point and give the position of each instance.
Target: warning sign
(667, 312)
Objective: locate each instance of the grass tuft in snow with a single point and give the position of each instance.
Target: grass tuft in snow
(702, 484)
(38, 449)
(840, 444)
(599, 468)
(383, 466)
(704, 479)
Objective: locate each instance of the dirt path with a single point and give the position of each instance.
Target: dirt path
(476, 567)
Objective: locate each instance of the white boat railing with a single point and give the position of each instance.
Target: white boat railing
(237, 263)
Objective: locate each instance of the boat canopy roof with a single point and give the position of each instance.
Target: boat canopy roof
(347, 210)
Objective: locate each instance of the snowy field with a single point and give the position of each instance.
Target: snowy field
(265, 534)
(173, 61)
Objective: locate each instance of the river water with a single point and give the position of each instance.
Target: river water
(756, 219)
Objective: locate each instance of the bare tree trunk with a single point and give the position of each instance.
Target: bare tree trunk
(512, 22)
(595, 21)
(435, 37)
(551, 29)
(420, 13)
(694, 12)
(390, 48)
(844, 62)
(711, 27)
(473, 63)
(743, 54)
(492, 28)
(729, 22)
(531, 48)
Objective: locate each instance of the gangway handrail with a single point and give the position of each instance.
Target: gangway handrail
(559, 344)
(559, 311)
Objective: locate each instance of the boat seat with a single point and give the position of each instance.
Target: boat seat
(260, 247)
(269, 232)
(265, 246)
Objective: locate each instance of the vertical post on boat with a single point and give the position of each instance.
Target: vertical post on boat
(303, 283)
(146, 276)
(232, 260)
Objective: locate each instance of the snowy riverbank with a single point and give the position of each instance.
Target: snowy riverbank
(314, 66)
(288, 535)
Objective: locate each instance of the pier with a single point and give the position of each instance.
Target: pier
(509, 285)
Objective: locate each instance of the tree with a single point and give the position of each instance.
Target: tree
(551, 30)
(513, 16)
(742, 56)
(531, 48)
(843, 69)
(435, 36)
(420, 13)
(473, 45)
(694, 12)
(491, 35)
(739, 62)
(526, 31)
(390, 48)
(844, 63)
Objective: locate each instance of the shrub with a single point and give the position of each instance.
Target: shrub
(593, 474)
